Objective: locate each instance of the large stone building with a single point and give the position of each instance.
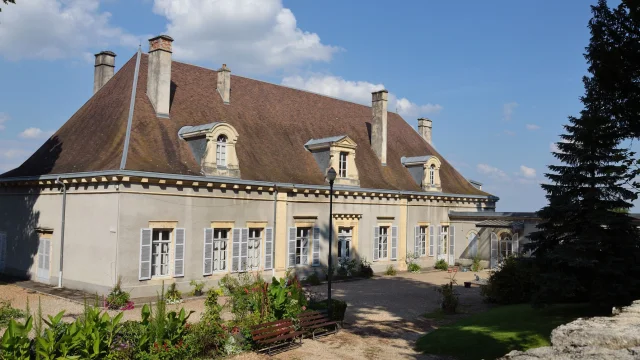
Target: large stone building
(173, 172)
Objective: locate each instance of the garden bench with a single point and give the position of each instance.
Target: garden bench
(276, 336)
(312, 321)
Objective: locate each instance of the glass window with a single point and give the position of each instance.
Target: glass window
(342, 170)
(422, 246)
(253, 257)
(220, 239)
(506, 245)
(302, 246)
(445, 237)
(221, 151)
(160, 243)
(432, 175)
(344, 242)
(472, 244)
(384, 241)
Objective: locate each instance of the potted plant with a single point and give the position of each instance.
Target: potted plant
(198, 287)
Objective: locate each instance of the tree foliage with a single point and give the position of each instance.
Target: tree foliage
(587, 246)
(6, 2)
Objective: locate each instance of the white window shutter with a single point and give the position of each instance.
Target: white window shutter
(268, 248)
(452, 245)
(208, 252)
(244, 249)
(316, 246)
(516, 244)
(145, 254)
(292, 247)
(439, 247)
(3, 251)
(394, 243)
(494, 250)
(416, 241)
(431, 239)
(178, 253)
(304, 249)
(235, 250)
(376, 242)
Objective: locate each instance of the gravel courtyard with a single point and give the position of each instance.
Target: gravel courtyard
(384, 315)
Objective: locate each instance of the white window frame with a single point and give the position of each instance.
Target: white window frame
(342, 164)
(383, 242)
(424, 234)
(302, 234)
(160, 242)
(253, 248)
(221, 150)
(220, 251)
(444, 236)
(506, 244)
(345, 234)
(432, 174)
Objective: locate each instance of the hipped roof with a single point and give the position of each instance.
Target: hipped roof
(274, 122)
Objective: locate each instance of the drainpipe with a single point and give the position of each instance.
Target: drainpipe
(64, 206)
(275, 224)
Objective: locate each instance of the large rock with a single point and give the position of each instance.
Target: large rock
(614, 337)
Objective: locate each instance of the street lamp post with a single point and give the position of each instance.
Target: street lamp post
(331, 176)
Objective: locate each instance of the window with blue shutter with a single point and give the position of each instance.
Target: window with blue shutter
(432, 236)
(179, 253)
(394, 243)
(145, 254)
(268, 248)
(235, 250)
(292, 247)
(452, 245)
(316, 246)
(244, 248)
(208, 252)
(376, 243)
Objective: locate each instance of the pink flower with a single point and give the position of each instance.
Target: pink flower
(304, 308)
(289, 293)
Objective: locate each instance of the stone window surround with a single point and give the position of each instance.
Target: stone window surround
(165, 225)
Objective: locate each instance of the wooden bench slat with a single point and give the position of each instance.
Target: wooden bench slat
(271, 323)
(311, 318)
(277, 332)
(271, 327)
(283, 337)
(317, 321)
(321, 325)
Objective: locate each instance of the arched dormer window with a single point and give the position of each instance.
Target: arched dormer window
(221, 150)
(432, 175)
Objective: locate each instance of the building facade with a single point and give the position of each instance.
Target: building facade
(172, 172)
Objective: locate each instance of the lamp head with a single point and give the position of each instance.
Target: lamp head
(331, 175)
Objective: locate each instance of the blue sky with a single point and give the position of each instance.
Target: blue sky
(497, 78)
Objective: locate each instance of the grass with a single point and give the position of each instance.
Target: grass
(494, 333)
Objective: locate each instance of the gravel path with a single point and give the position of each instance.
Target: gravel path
(383, 321)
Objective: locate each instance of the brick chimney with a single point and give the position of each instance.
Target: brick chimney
(379, 124)
(159, 75)
(424, 129)
(103, 70)
(224, 83)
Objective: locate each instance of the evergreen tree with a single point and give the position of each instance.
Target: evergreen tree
(587, 247)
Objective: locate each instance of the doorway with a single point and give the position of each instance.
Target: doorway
(44, 260)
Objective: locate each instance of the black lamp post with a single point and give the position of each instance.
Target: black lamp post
(331, 176)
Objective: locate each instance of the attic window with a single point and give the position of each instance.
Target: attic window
(221, 151)
(425, 170)
(338, 152)
(342, 170)
(432, 175)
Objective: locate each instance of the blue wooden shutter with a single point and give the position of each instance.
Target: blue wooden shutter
(268, 248)
(178, 253)
(494, 250)
(292, 247)
(235, 250)
(431, 239)
(376, 242)
(394, 243)
(452, 245)
(244, 249)
(439, 247)
(316, 246)
(207, 261)
(416, 242)
(145, 254)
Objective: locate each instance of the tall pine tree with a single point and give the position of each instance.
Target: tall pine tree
(586, 248)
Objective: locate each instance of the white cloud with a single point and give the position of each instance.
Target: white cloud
(251, 35)
(553, 147)
(3, 119)
(527, 172)
(510, 133)
(508, 109)
(532, 127)
(12, 153)
(358, 92)
(492, 172)
(54, 29)
(35, 133)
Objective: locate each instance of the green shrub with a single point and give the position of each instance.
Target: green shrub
(7, 313)
(338, 308)
(347, 267)
(206, 338)
(414, 268)
(313, 279)
(174, 296)
(287, 298)
(15, 343)
(117, 298)
(476, 266)
(442, 265)
(449, 304)
(198, 287)
(512, 283)
(365, 268)
(391, 271)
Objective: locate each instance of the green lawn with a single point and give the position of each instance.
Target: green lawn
(494, 333)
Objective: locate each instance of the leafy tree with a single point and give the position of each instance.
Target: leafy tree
(6, 2)
(587, 247)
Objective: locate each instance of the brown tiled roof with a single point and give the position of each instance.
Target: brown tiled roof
(274, 122)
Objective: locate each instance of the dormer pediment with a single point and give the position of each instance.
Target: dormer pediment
(425, 170)
(338, 152)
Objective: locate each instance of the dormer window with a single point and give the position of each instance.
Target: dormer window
(221, 151)
(214, 147)
(338, 152)
(342, 170)
(425, 170)
(432, 175)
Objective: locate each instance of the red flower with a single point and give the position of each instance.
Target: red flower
(246, 291)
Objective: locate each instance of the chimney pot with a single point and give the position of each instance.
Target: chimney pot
(379, 124)
(159, 74)
(424, 129)
(224, 83)
(104, 69)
